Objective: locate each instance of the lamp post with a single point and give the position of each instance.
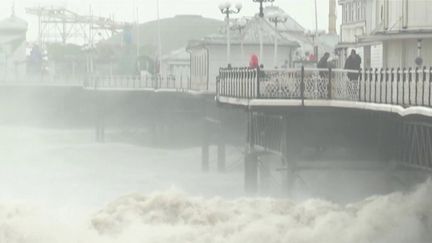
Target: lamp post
(276, 19)
(261, 15)
(316, 33)
(240, 26)
(261, 2)
(226, 9)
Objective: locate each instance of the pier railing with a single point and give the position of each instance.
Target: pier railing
(135, 82)
(405, 87)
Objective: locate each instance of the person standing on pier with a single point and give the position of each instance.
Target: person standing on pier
(353, 64)
(323, 64)
(253, 62)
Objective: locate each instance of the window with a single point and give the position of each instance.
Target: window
(347, 10)
(358, 15)
(345, 14)
(382, 12)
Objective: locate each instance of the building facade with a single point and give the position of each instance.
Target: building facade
(176, 66)
(210, 54)
(387, 33)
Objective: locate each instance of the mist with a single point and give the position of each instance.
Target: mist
(163, 122)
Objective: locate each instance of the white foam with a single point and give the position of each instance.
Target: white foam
(172, 216)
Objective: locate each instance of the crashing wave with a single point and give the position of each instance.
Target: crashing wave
(398, 217)
(173, 216)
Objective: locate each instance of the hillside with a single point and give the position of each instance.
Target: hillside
(175, 32)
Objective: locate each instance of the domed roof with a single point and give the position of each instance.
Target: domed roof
(13, 23)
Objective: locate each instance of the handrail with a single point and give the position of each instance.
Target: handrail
(397, 86)
(135, 82)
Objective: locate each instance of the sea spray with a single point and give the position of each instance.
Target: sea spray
(398, 217)
(173, 216)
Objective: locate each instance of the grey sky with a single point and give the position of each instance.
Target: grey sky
(124, 10)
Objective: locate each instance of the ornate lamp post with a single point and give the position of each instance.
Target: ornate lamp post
(276, 19)
(261, 13)
(239, 26)
(226, 9)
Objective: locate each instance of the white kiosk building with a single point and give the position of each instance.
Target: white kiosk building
(12, 49)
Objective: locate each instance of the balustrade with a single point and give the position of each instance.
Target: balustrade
(405, 87)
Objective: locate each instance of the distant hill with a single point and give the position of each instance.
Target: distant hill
(175, 32)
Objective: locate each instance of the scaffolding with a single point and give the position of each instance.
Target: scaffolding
(58, 24)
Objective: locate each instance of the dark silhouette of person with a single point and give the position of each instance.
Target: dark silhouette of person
(353, 63)
(323, 64)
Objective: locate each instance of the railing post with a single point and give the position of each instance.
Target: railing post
(302, 85)
(403, 85)
(386, 85)
(248, 83)
(391, 85)
(218, 86)
(329, 85)
(423, 85)
(381, 78)
(365, 80)
(430, 84)
(416, 85)
(375, 85)
(409, 85)
(398, 84)
(360, 80)
(370, 84)
(258, 73)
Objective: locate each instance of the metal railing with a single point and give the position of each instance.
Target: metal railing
(135, 83)
(405, 87)
(40, 80)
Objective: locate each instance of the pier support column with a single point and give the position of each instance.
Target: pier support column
(100, 118)
(290, 180)
(264, 174)
(221, 156)
(205, 153)
(221, 150)
(289, 151)
(251, 173)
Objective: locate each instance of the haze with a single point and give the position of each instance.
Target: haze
(301, 10)
(192, 129)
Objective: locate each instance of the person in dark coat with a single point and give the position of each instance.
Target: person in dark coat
(353, 63)
(323, 64)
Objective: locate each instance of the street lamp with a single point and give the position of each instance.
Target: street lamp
(239, 26)
(261, 13)
(276, 19)
(226, 9)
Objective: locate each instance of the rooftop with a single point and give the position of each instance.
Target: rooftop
(13, 23)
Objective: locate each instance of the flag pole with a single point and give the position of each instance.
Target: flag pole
(159, 36)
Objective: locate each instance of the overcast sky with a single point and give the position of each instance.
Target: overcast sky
(124, 10)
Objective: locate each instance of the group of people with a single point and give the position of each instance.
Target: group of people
(352, 64)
